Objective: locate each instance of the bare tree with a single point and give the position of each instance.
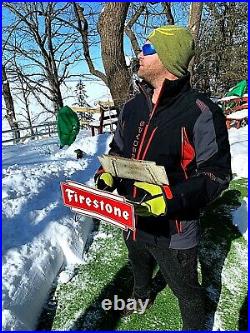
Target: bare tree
(194, 25)
(136, 20)
(168, 12)
(48, 37)
(82, 27)
(23, 95)
(195, 18)
(10, 111)
(111, 30)
(41, 41)
(110, 27)
(221, 59)
(128, 28)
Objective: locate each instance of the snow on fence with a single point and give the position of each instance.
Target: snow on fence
(46, 129)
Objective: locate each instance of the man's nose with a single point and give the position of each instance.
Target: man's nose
(140, 55)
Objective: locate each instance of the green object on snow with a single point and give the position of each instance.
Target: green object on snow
(68, 126)
(238, 90)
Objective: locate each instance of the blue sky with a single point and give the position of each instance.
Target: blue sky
(80, 67)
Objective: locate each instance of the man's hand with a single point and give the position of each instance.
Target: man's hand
(155, 203)
(105, 181)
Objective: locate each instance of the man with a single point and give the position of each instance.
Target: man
(184, 131)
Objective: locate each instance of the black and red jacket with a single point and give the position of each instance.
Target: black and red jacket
(186, 133)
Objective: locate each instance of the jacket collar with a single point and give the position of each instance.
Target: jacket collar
(170, 89)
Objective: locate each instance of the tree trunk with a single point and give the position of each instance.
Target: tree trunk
(111, 29)
(25, 98)
(51, 63)
(194, 26)
(10, 111)
(58, 101)
(27, 109)
(52, 77)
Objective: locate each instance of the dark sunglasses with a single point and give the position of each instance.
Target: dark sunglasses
(148, 49)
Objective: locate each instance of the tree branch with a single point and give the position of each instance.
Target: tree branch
(83, 29)
(129, 31)
(167, 11)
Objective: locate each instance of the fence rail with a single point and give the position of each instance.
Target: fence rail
(39, 130)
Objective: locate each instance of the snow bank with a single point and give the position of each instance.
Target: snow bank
(40, 236)
(28, 273)
(240, 218)
(238, 139)
(27, 278)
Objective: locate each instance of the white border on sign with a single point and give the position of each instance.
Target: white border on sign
(96, 191)
(105, 195)
(101, 217)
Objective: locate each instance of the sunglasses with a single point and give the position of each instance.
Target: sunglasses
(148, 49)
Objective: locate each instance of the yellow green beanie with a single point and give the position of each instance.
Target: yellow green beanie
(174, 46)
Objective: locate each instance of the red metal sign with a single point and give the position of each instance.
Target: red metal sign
(103, 205)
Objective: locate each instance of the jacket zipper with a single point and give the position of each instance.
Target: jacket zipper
(143, 138)
(149, 142)
(147, 126)
(182, 151)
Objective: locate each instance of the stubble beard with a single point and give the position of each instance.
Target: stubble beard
(148, 76)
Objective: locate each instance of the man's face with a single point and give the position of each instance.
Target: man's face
(150, 66)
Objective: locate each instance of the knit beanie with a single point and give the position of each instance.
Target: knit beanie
(174, 46)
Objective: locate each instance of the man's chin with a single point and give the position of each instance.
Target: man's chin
(140, 74)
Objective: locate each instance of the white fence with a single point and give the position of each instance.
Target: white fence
(46, 129)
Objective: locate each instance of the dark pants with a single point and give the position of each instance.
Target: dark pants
(179, 268)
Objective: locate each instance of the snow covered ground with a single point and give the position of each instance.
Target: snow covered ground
(40, 236)
(238, 139)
